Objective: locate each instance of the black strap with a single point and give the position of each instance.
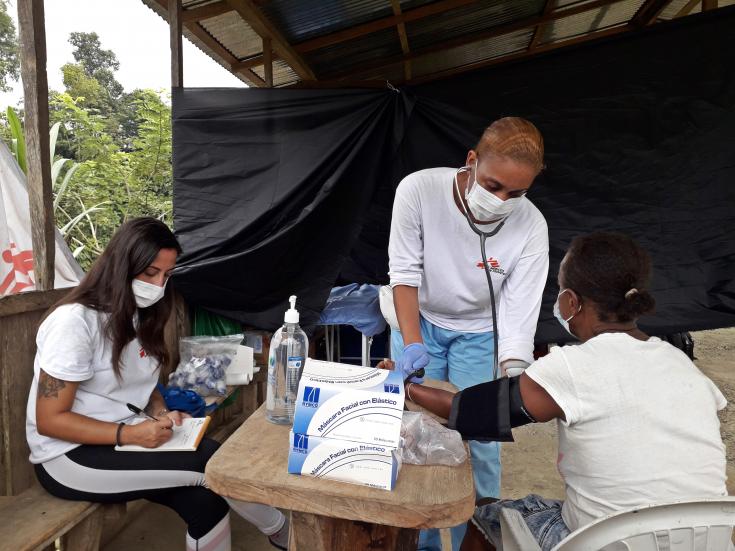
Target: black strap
(487, 412)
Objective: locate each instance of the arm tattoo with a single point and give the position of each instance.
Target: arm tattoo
(48, 386)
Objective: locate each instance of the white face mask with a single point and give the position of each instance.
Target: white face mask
(557, 314)
(485, 205)
(147, 294)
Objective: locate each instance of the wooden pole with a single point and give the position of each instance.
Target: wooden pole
(177, 61)
(268, 62)
(35, 92)
(709, 5)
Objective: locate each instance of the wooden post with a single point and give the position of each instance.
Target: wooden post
(709, 5)
(268, 62)
(35, 92)
(177, 61)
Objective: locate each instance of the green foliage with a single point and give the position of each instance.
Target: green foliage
(79, 84)
(112, 184)
(110, 150)
(88, 51)
(9, 60)
(18, 143)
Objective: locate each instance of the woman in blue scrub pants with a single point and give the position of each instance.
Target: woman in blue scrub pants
(438, 278)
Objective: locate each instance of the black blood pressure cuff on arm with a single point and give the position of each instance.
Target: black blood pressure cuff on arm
(487, 412)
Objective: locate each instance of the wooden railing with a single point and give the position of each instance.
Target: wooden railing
(20, 316)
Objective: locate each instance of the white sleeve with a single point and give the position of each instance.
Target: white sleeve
(65, 348)
(520, 298)
(406, 245)
(553, 374)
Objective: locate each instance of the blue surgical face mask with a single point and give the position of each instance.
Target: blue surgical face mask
(557, 314)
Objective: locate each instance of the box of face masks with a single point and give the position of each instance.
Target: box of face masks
(344, 460)
(349, 402)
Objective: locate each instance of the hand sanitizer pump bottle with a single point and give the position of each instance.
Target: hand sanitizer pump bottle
(288, 351)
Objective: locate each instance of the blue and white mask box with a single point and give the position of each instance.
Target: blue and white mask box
(344, 460)
(349, 402)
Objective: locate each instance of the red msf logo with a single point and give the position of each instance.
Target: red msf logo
(142, 352)
(19, 277)
(493, 263)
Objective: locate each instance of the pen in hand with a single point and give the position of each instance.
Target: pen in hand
(138, 411)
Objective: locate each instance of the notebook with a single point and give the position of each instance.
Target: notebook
(186, 437)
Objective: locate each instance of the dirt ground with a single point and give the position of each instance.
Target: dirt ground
(529, 464)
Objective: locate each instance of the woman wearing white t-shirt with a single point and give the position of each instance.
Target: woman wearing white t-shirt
(100, 349)
(623, 400)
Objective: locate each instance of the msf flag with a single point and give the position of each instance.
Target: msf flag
(16, 252)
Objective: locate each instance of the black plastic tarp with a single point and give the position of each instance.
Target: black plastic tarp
(280, 192)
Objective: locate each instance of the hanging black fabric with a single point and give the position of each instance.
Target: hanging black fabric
(282, 192)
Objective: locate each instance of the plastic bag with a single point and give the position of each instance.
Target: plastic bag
(426, 442)
(355, 305)
(204, 361)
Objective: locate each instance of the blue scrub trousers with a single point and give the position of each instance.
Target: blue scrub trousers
(463, 359)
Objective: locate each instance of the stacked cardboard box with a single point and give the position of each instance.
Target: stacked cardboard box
(347, 424)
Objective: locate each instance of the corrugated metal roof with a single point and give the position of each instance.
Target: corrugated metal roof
(393, 74)
(472, 53)
(675, 6)
(468, 19)
(188, 4)
(355, 52)
(300, 20)
(232, 32)
(589, 21)
(283, 75)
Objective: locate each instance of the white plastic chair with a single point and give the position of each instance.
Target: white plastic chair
(700, 525)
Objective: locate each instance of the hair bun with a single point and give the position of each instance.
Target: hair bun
(636, 303)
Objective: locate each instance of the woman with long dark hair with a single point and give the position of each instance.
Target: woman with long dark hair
(101, 348)
(623, 402)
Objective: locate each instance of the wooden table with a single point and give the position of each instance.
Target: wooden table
(331, 516)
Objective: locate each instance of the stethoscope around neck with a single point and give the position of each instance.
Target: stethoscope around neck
(483, 237)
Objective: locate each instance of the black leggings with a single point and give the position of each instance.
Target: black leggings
(173, 479)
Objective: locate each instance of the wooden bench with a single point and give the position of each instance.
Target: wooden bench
(34, 520)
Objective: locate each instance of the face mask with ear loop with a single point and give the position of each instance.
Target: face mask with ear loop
(483, 236)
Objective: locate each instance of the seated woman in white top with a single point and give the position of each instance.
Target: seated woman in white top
(637, 420)
(99, 350)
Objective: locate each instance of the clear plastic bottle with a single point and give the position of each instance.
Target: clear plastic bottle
(289, 347)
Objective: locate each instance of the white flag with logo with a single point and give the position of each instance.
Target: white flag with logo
(16, 252)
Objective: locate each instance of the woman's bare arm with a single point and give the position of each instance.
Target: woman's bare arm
(54, 418)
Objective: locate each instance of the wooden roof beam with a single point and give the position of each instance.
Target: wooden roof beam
(403, 37)
(254, 17)
(228, 60)
(539, 30)
(379, 24)
(623, 29)
(686, 8)
(206, 12)
(648, 12)
(364, 29)
(470, 38)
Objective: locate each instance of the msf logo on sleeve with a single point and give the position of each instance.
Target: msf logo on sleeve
(300, 443)
(311, 397)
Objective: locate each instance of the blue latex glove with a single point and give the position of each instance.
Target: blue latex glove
(414, 357)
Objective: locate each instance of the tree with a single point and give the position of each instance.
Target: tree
(88, 51)
(112, 156)
(80, 85)
(9, 61)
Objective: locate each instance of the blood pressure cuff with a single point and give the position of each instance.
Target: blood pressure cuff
(487, 412)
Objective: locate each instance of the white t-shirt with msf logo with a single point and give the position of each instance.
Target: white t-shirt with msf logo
(433, 248)
(72, 346)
